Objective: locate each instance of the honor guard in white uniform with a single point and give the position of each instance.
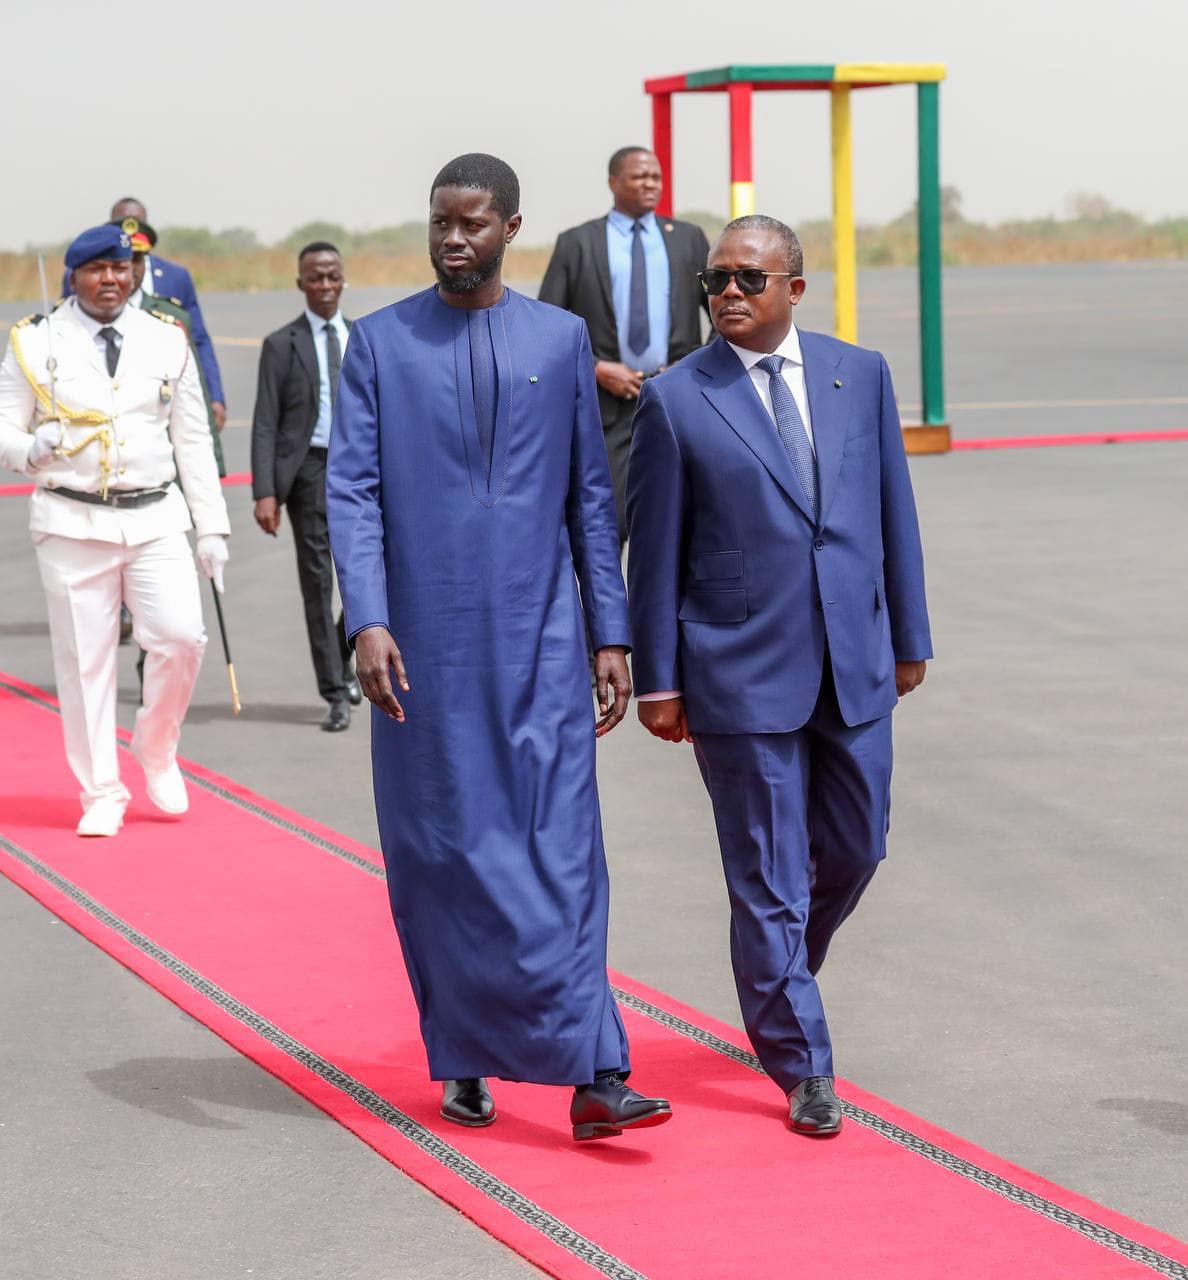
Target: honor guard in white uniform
(101, 405)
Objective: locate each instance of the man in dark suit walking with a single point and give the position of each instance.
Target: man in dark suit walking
(633, 278)
(776, 585)
(295, 396)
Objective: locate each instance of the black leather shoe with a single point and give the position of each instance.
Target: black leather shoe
(354, 693)
(813, 1108)
(338, 717)
(467, 1102)
(608, 1106)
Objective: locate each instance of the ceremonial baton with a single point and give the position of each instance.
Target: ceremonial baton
(50, 363)
(235, 707)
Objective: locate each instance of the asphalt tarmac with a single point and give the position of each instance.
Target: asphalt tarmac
(1016, 973)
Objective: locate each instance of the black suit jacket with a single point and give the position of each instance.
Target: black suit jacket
(287, 389)
(578, 279)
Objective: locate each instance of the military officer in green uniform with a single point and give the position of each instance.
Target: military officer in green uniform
(144, 238)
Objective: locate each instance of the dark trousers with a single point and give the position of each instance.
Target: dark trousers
(802, 823)
(328, 646)
(616, 430)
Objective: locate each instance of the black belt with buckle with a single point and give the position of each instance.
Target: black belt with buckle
(116, 497)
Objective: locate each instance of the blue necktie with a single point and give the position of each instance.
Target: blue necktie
(639, 332)
(485, 380)
(791, 427)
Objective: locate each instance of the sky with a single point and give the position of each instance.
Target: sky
(267, 115)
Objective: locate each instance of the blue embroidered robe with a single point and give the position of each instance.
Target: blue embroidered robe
(487, 576)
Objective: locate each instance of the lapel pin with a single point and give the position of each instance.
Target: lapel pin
(533, 378)
(668, 226)
(837, 382)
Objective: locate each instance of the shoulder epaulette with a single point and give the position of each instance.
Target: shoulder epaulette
(35, 318)
(163, 315)
(177, 302)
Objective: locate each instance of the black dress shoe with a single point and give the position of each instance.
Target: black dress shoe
(338, 717)
(813, 1108)
(467, 1102)
(354, 693)
(608, 1106)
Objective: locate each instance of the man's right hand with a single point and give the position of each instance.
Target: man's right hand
(46, 439)
(665, 719)
(268, 515)
(618, 379)
(375, 654)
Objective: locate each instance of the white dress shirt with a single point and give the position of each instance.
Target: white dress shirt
(92, 327)
(792, 371)
(321, 432)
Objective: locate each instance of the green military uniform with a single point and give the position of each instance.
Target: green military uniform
(172, 312)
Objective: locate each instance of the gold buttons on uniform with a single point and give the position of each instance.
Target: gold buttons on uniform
(122, 470)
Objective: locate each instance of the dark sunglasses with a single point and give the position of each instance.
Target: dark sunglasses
(750, 280)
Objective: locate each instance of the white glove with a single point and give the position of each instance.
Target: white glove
(46, 439)
(212, 555)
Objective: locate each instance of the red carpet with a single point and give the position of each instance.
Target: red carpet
(274, 932)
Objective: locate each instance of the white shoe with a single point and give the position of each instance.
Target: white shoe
(105, 817)
(167, 790)
(166, 787)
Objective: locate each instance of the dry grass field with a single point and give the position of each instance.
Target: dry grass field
(259, 269)
(233, 261)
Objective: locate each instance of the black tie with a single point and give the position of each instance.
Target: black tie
(638, 329)
(334, 352)
(112, 338)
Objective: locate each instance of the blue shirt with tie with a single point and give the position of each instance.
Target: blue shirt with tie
(321, 433)
(618, 245)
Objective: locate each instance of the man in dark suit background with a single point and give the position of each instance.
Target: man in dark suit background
(295, 395)
(633, 278)
(776, 584)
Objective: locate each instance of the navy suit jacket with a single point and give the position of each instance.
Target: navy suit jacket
(736, 594)
(172, 280)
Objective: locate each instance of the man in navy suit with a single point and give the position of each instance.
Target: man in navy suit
(632, 277)
(776, 583)
(171, 280)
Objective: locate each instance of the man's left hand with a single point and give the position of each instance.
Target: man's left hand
(219, 409)
(908, 676)
(611, 678)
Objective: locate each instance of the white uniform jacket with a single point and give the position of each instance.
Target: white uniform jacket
(156, 429)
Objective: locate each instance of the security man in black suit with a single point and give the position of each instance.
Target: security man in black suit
(633, 278)
(295, 395)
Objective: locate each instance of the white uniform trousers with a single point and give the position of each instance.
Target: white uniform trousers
(84, 583)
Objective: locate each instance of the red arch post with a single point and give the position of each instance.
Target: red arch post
(662, 146)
